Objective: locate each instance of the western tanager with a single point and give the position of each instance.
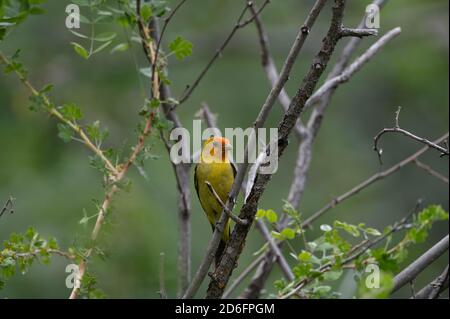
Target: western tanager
(215, 167)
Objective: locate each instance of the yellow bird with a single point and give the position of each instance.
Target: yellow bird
(215, 168)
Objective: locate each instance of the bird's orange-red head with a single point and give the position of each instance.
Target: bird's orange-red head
(215, 149)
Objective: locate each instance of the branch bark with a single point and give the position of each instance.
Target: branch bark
(434, 288)
(304, 156)
(182, 177)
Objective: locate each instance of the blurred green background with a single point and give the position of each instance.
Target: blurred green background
(53, 182)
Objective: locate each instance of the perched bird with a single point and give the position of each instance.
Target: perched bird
(215, 167)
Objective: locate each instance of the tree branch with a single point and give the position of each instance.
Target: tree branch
(415, 268)
(349, 71)
(431, 171)
(230, 214)
(434, 288)
(51, 109)
(271, 69)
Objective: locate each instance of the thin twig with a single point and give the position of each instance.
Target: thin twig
(230, 214)
(271, 69)
(8, 207)
(349, 71)
(434, 288)
(50, 108)
(181, 172)
(398, 129)
(161, 36)
(240, 23)
(260, 120)
(285, 268)
(359, 33)
(374, 178)
(431, 171)
(416, 267)
(236, 244)
(162, 285)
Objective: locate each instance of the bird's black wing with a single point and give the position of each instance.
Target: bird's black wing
(233, 166)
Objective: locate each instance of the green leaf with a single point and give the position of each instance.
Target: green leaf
(304, 256)
(146, 12)
(71, 112)
(261, 213)
(288, 233)
(79, 34)
(332, 275)
(372, 231)
(351, 229)
(181, 48)
(80, 50)
(271, 216)
(379, 288)
(121, 47)
(65, 132)
(277, 235)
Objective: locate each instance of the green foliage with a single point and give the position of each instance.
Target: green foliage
(21, 250)
(386, 283)
(181, 47)
(323, 259)
(88, 287)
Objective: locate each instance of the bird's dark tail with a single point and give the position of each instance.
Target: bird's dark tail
(220, 251)
(223, 243)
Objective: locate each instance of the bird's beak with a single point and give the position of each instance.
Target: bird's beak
(228, 147)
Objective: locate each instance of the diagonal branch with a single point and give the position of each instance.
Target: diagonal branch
(271, 69)
(414, 269)
(182, 177)
(230, 214)
(349, 71)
